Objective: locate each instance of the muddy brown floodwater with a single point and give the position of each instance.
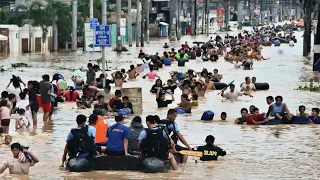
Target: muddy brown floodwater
(253, 152)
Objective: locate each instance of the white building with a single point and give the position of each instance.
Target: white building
(18, 39)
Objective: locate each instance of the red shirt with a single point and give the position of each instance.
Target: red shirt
(252, 118)
(113, 103)
(75, 95)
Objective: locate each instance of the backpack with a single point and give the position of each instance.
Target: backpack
(155, 145)
(172, 133)
(81, 142)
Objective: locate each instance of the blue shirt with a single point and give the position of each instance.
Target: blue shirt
(173, 127)
(52, 99)
(143, 134)
(116, 137)
(91, 133)
(316, 121)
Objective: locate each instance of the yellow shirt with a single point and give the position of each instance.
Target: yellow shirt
(194, 103)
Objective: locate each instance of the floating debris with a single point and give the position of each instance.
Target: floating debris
(310, 87)
(120, 50)
(72, 69)
(20, 65)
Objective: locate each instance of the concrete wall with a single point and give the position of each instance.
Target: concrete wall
(16, 34)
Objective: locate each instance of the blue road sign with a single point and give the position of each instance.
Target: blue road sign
(103, 35)
(93, 23)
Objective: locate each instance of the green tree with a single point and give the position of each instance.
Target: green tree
(45, 15)
(3, 16)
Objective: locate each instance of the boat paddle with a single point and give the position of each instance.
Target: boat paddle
(194, 154)
(191, 153)
(226, 87)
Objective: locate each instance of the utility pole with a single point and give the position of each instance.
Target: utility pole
(179, 21)
(119, 39)
(91, 8)
(104, 22)
(203, 16)
(74, 25)
(55, 36)
(240, 14)
(261, 11)
(207, 12)
(29, 4)
(138, 24)
(130, 23)
(193, 17)
(147, 20)
(316, 47)
(142, 22)
(173, 20)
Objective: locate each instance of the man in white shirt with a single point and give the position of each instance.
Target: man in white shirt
(24, 103)
(232, 95)
(291, 43)
(248, 87)
(107, 93)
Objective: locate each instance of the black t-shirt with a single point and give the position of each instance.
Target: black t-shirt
(172, 88)
(108, 82)
(33, 99)
(129, 106)
(15, 81)
(118, 104)
(141, 55)
(154, 88)
(211, 152)
(241, 120)
(163, 103)
(101, 106)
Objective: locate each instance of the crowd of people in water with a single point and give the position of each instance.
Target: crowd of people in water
(98, 137)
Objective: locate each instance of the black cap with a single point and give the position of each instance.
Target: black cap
(118, 118)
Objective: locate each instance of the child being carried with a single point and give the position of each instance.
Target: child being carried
(23, 121)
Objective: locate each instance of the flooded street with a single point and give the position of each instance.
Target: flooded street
(253, 152)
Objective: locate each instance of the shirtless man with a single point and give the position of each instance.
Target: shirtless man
(132, 73)
(186, 87)
(216, 77)
(118, 78)
(201, 89)
(184, 104)
(259, 57)
(209, 84)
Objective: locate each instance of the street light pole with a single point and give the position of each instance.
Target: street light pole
(142, 22)
(103, 51)
(74, 25)
(91, 8)
(118, 15)
(130, 23)
(147, 20)
(138, 25)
